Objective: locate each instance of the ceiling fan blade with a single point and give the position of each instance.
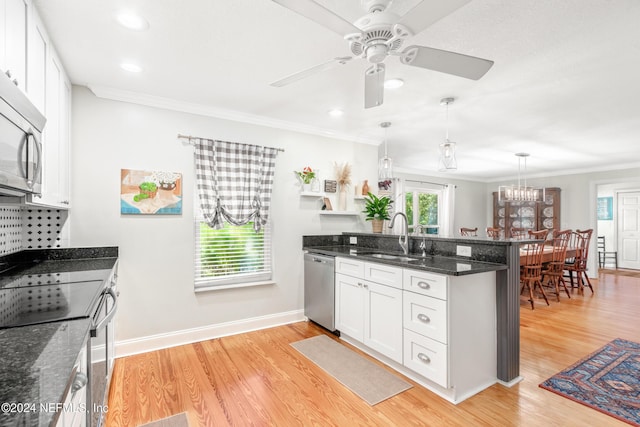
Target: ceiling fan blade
(313, 70)
(374, 86)
(445, 61)
(427, 12)
(320, 14)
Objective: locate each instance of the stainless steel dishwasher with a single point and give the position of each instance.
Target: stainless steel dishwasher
(319, 291)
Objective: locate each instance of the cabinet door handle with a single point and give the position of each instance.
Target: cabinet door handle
(424, 285)
(366, 286)
(423, 318)
(359, 284)
(423, 357)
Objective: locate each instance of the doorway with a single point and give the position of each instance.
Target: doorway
(628, 229)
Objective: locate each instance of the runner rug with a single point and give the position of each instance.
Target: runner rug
(363, 377)
(608, 380)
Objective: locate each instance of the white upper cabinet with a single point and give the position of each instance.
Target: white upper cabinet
(13, 40)
(49, 89)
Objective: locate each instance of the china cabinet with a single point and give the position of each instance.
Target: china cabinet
(530, 215)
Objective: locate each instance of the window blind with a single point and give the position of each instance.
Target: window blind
(234, 255)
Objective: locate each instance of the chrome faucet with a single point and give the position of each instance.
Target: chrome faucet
(402, 240)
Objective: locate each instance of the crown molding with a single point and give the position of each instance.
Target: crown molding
(220, 113)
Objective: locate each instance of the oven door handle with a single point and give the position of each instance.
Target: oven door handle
(110, 314)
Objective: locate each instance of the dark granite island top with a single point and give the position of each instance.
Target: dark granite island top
(37, 362)
(452, 266)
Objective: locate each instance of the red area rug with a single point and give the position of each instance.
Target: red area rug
(608, 380)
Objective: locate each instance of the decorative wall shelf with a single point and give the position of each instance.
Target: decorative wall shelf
(351, 213)
(312, 194)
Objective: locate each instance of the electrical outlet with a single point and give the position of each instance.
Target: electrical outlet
(463, 250)
(353, 240)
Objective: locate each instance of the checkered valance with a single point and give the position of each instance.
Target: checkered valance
(234, 182)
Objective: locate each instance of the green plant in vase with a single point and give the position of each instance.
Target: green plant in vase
(376, 210)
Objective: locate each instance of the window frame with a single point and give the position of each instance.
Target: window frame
(238, 280)
(414, 190)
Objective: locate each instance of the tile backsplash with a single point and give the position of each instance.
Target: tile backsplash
(24, 227)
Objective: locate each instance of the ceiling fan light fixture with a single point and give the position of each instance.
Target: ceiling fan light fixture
(393, 83)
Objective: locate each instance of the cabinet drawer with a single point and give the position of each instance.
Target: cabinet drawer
(350, 267)
(383, 274)
(425, 283)
(426, 357)
(425, 315)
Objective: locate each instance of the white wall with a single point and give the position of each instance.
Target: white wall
(156, 252)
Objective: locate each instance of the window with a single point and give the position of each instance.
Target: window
(232, 256)
(422, 208)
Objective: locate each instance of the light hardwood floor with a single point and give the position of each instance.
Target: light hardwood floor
(258, 379)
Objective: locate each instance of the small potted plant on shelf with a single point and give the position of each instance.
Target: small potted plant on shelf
(306, 176)
(377, 210)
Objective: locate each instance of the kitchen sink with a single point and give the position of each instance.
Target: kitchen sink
(394, 257)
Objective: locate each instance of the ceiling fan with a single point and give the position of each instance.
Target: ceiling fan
(381, 33)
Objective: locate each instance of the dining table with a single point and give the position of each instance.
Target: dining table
(547, 254)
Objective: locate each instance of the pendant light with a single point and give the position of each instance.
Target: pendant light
(447, 159)
(521, 192)
(385, 165)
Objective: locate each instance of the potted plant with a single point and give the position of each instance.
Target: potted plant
(306, 176)
(377, 210)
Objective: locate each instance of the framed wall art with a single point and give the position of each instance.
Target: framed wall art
(150, 192)
(605, 208)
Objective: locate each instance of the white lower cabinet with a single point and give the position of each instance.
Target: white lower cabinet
(369, 312)
(438, 330)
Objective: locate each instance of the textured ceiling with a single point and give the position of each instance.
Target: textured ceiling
(564, 86)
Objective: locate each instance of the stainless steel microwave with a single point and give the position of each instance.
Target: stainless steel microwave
(21, 126)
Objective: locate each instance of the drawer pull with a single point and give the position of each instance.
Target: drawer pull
(423, 357)
(424, 285)
(423, 318)
(359, 284)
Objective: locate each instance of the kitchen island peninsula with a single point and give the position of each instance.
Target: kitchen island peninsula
(471, 295)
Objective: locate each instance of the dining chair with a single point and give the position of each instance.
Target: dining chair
(554, 269)
(518, 233)
(531, 269)
(579, 242)
(538, 235)
(494, 232)
(604, 255)
(464, 231)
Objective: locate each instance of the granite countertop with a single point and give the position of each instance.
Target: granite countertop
(451, 266)
(37, 362)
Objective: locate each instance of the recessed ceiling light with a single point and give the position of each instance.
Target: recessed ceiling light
(393, 83)
(336, 112)
(132, 21)
(132, 68)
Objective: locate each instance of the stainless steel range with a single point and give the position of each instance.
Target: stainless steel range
(53, 291)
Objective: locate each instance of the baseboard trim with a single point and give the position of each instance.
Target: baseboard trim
(187, 336)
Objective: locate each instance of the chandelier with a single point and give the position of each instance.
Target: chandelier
(447, 159)
(385, 165)
(521, 192)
